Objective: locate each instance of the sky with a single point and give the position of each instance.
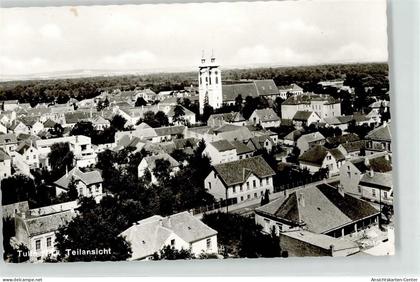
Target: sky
(160, 37)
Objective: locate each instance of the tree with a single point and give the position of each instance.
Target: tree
(140, 102)
(178, 113)
(17, 188)
(170, 253)
(162, 170)
(60, 158)
(162, 118)
(56, 131)
(238, 103)
(83, 128)
(118, 122)
(72, 193)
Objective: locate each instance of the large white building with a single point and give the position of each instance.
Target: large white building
(324, 105)
(209, 84)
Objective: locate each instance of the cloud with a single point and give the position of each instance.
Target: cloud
(356, 52)
(130, 59)
(50, 31)
(18, 66)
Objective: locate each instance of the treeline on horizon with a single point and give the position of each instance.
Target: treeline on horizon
(61, 90)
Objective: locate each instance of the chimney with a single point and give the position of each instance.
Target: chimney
(67, 171)
(332, 249)
(371, 173)
(23, 215)
(386, 157)
(301, 200)
(203, 60)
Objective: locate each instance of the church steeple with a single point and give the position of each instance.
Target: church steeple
(209, 83)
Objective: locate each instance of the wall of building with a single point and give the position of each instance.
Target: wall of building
(200, 246)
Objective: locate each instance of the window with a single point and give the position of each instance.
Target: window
(38, 245)
(266, 181)
(34, 157)
(248, 196)
(359, 189)
(27, 158)
(254, 183)
(385, 195)
(255, 195)
(280, 227)
(262, 193)
(217, 79)
(201, 80)
(261, 182)
(247, 185)
(373, 193)
(48, 241)
(208, 243)
(233, 189)
(242, 198)
(349, 174)
(328, 158)
(173, 242)
(209, 185)
(241, 188)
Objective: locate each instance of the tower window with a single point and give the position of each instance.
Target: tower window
(217, 79)
(210, 80)
(201, 80)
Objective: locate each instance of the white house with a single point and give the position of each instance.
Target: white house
(240, 180)
(37, 233)
(292, 89)
(377, 187)
(265, 117)
(221, 151)
(29, 153)
(306, 141)
(306, 118)
(88, 184)
(180, 231)
(319, 157)
(324, 105)
(5, 165)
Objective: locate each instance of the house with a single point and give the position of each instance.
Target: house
(377, 187)
(265, 88)
(291, 138)
(353, 170)
(29, 154)
(379, 139)
(242, 151)
(265, 117)
(180, 231)
(37, 233)
(324, 105)
(307, 141)
(305, 118)
(99, 122)
(221, 151)
(261, 142)
(234, 118)
(321, 209)
(292, 89)
(334, 141)
(149, 163)
(5, 165)
(18, 127)
(8, 142)
(352, 149)
(3, 128)
(88, 183)
(231, 133)
(341, 122)
(303, 243)
(9, 105)
(240, 180)
(318, 157)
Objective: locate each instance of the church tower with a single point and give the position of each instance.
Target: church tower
(209, 84)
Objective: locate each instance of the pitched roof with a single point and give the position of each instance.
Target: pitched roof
(266, 87)
(89, 177)
(237, 172)
(222, 145)
(3, 155)
(48, 223)
(8, 138)
(170, 130)
(241, 148)
(351, 137)
(377, 180)
(267, 115)
(151, 160)
(307, 98)
(382, 133)
(353, 146)
(320, 209)
(148, 236)
(230, 92)
(49, 123)
(311, 137)
(302, 115)
(316, 154)
(320, 240)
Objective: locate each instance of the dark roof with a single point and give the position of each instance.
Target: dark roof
(334, 140)
(320, 209)
(170, 130)
(354, 146)
(48, 223)
(382, 133)
(302, 115)
(241, 148)
(90, 177)
(230, 92)
(237, 172)
(307, 98)
(266, 87)
(222, 145)
(3, 155)
(316, 154)
(267, 115)
(49, 123)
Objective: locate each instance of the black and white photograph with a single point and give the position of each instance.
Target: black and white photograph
(193, 131)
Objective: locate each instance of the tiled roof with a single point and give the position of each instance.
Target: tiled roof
(230, 92)
(7, 139)
(3, 155)
(90, 177)
(149, 235)
(312, 137)
(237, 172)
(266, 87)
(383, 180)
(48, 223)
(382, 133)
(320, 240)
(222, 145)
(267, 115)
(320, 208)
(241, 148)
(307, 98)
(302, 115)
(294, 135)
(49, 123)
(170, 130)
(354, 146)
(351, 137)
(151, 160)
